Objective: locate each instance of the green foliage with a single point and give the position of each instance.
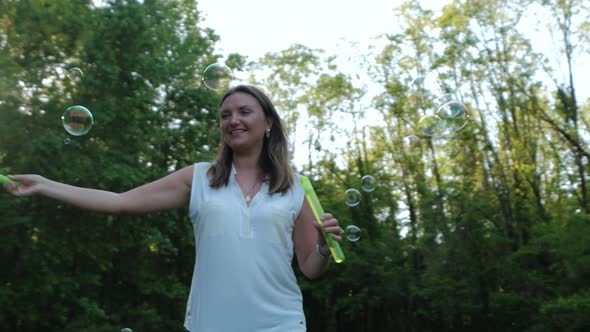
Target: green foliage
(74, 270)
(485, 230)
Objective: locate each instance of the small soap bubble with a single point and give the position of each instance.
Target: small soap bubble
(451, 110)
(412, 145)
(431, 126)
(75, 74)
(67, 140)
(453, 116)
(454, 125)
(217, 77)
(126, 329)
(353, 197)
(368, 183)
(77, 120)
(352, 233)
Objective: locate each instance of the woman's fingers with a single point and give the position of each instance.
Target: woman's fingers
(330, 225)
(21, 185)
(22, 178)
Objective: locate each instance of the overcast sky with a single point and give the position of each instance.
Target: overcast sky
(255, 27)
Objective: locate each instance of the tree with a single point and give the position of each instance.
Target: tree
(78, 270)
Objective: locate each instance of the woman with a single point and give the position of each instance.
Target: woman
(248, 213)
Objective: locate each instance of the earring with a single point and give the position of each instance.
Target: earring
(267, 133)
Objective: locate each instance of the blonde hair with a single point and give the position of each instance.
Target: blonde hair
(274, 159)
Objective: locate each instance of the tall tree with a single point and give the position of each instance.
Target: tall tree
(141, 63)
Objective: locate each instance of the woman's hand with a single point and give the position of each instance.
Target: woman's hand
(28, 184)
(331, 227)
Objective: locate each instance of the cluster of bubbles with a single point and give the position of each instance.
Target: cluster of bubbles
(353, 198)
(448, 116)
(77, 120)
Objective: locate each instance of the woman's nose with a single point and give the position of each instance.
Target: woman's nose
(233, 119)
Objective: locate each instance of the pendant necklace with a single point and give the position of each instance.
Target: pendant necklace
(249, 192)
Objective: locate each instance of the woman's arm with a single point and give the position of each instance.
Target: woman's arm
(169, 192)
(308, 239)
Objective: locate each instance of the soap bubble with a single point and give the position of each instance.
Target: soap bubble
(451, 110)
(353, 197)
(217, 77)
(77, 120)
(368, 183)
(75, 74)
(412, 145)
(352, 233)
(453, 116)
(431, 125)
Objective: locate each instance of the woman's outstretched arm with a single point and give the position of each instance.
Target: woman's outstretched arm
(169, 192)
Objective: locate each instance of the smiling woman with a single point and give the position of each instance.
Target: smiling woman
(243, 122)
(246, 206)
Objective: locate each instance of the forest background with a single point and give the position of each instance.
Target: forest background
(484, 229)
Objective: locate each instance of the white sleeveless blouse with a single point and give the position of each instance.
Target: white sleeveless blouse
(243, 280)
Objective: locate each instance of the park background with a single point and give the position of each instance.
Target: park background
(485, 229)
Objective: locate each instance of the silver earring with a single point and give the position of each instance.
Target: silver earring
(267, 133)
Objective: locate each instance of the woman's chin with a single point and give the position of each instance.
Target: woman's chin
(238, 146)
(241, 147)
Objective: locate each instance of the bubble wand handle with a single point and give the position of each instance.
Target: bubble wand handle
(316, 207)
(4, 179)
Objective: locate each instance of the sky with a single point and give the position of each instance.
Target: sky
(256, 27)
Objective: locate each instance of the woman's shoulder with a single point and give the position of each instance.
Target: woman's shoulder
(296, 186)
(197, 169)
(296, 174)
(202, 165)
(200, 168)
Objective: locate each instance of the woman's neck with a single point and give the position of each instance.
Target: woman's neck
(247, 164)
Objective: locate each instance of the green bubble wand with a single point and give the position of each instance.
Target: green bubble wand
(4, 179)
(316, 207)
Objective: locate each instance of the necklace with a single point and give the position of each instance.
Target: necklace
(249, 193)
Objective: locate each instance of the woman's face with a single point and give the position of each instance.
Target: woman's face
(242, 121)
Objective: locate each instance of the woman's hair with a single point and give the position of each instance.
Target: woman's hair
(274, 159)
